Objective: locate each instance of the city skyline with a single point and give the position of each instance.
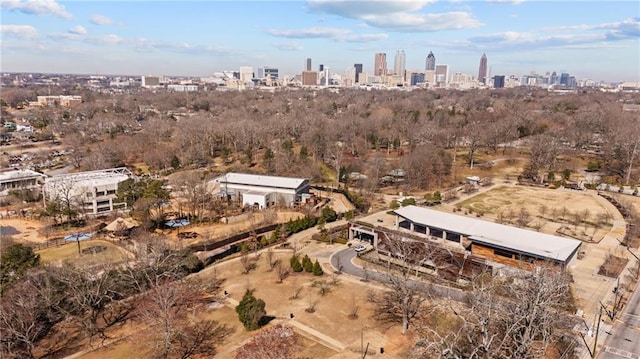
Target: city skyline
(202, 37)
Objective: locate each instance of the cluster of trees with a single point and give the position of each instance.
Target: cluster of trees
(305, 265)
(290, 131)
(96, 299)
(514, 316)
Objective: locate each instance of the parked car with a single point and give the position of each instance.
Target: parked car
(359, 248)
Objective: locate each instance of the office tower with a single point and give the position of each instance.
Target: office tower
(482, 70)
(358, 68)
(308, 68)
(246, 73)
(498, 82)
(268, 73)
(417, 78)
(380, 64)
(564, 79)
(431, 62)
(321, 68)
(309, 78)
(442, 75)
(399, 63)
(554, 79)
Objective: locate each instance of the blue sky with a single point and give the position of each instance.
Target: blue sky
(589, 39)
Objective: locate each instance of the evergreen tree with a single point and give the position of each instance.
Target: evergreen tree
(295, 264)
(251, 311)
(307, 264)
(317, 269)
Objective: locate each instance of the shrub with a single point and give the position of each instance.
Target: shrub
(251, 311)
(394, 204)
(408, 202)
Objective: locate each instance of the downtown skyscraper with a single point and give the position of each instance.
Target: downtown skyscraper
(482, 70)
(399, 63)
(431, 62)
(380, 64)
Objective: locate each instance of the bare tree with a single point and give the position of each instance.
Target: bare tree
(404, 296)
(174, 333)
(516, 317)
(278, 342)
(281, 270)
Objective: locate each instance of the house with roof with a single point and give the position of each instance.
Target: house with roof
(263, 191)
(494, 243)
(93, 192)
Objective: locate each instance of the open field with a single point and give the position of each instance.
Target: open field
(327, 332)
(93, 252)
(573, 213)
(24, 230)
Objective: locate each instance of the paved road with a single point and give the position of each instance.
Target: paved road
(624, 341)
(343, 258)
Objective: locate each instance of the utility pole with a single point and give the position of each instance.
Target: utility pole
(595, 343)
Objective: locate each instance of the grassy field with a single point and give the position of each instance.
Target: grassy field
(92, 252)
(573, 213)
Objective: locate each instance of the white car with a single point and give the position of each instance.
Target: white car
(359, 248)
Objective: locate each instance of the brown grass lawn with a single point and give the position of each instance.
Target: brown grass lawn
(509, 201)
(69, 252)
(330, 317)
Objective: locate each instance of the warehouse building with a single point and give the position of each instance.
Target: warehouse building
(263, 191)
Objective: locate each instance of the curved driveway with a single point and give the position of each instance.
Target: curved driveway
(344, 259)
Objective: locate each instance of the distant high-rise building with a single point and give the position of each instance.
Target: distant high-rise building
(498, 82)
(416, 78)
(442, 75)
(321, 68)
(380, 64)
(308, 68)
(553, 80)
(482, 70)
(246, 73)
(431, 62)
(309, 78)
(267, 72)
(399, 63)
(358, 68)
(564, 79)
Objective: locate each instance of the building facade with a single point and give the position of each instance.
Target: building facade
(431, 62)
(399, 63)
(91, 192)
(263, 191)
(380, 64)
(482, 69)
(19, 179)
(493, 243)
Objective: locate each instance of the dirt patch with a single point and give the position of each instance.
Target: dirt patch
(613, 266)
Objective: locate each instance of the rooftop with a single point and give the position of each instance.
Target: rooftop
(517, 239)
(92, 178)
(16, 174)
(262, 180)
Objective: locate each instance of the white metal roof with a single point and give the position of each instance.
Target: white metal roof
(517, 239)
(92, 178)
(16, 174)
(261, 180)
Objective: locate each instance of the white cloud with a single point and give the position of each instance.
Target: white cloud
(409, 22)
(401, 16)
(36, 7)
(336, 34)
(78, 30)
(355, 9)
(24, 32)
(288, 46)
(514, 2)
(101, 20)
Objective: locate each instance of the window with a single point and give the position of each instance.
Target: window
(503, 253)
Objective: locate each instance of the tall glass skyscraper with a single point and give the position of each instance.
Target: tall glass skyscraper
(399, 63)
(482, 70)
(431, 62)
